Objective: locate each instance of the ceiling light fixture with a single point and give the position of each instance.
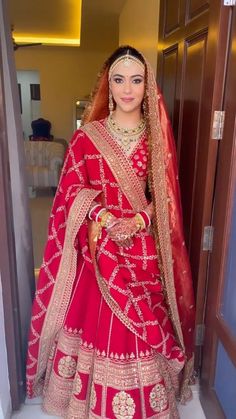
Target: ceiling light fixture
(48, 41)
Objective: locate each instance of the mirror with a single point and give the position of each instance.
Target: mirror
(79, 110)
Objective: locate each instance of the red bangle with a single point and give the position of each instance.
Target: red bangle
(95, 212)
(146, 218)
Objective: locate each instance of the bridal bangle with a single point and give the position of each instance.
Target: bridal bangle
(94, 211)
(139, 221)
(146, 218)
(142, 220)
(105, 218)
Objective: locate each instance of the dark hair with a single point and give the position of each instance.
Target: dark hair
(123, 50)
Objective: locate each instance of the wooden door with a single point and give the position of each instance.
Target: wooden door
(181, 75)
(219, 357)
(191, 74)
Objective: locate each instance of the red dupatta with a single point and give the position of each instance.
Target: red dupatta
(165, 192)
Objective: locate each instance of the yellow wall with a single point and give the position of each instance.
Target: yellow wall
(66, 74)
(138, 26)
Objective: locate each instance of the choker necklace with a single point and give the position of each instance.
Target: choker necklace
(125, 136)
(126, 131)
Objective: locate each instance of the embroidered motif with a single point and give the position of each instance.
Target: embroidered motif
(67, 366)
(158, 398)
(62, 290)
(123, 406)
(93, 397)
(118, 162)
(77, 385)
(159, 194)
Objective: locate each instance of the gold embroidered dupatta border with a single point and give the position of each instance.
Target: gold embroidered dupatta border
(131, 187)
(160, 200)
(118, 163)
(61, 294)
(158, 186)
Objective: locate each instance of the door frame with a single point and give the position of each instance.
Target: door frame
(8, 266)
(216, 62)
(16, 258)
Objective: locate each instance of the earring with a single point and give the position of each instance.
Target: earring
(111, 103)
(144, 107)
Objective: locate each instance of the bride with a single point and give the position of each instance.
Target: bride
(112, 322)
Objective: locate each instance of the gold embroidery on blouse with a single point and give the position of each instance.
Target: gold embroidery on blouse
(119, 164)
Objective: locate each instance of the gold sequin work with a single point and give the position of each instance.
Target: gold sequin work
(158, 398)
(93, 397)
(123, 406)
(66, 366)
(77, 385)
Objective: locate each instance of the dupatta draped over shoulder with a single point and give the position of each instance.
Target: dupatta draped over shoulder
(96, 169)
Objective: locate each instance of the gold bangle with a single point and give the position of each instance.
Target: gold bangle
(139, 221)
(105, 218)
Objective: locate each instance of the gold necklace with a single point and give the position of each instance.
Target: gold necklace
(125, 136)
(126, 131)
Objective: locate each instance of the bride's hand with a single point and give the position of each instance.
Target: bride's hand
(123, 231)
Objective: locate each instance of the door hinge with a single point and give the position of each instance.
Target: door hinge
(229, 2)
(200, 334)
(218, 125)
(208, 238)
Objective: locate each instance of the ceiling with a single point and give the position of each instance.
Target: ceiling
(60, 22)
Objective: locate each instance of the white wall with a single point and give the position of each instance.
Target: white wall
(139, 26)
(5, 399)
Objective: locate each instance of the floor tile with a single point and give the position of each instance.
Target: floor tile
(192, 409)
(32, 412)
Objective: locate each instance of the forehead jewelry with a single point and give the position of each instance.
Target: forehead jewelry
(126, 59)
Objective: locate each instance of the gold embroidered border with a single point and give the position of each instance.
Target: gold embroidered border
(145, 374)
(62, 289)
(160, 197)
(118, 163)
(185, 390)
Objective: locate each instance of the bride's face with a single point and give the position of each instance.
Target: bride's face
(127, 86)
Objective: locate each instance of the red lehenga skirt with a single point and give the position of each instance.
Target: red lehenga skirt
(98, 368)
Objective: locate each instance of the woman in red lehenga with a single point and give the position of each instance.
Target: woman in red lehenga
(112, 324)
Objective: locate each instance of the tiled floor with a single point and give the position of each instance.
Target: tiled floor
(32, 410)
